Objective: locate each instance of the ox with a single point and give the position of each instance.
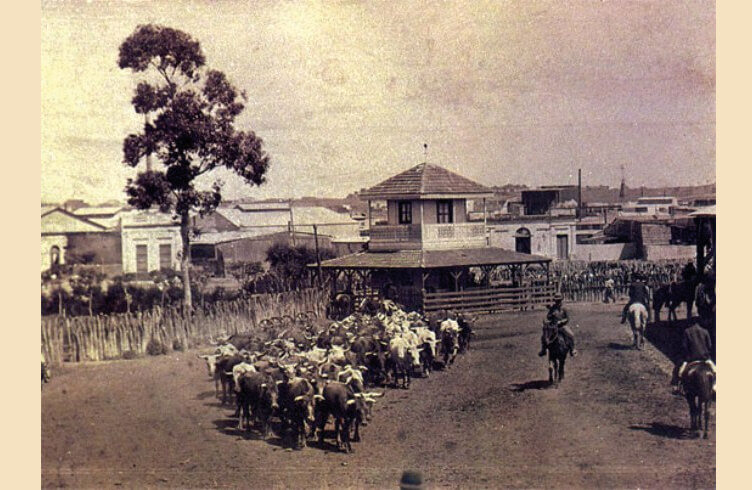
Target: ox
(297, 405)
(403, 358)
(258, 396)
(449, 330)
(347, 409)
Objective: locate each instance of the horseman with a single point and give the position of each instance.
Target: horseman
(689, 272)
(609, 293)
(638, 293)
(697, 348)
(557, 315)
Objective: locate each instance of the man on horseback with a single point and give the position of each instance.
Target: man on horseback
(558, 316)
(697, 347)
(638, 293)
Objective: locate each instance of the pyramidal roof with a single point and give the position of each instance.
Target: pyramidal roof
(426, 181)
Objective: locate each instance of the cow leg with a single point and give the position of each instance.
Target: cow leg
(550, 372)
(707, 416)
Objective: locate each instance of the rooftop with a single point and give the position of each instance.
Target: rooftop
(432, 259)
(426, 181)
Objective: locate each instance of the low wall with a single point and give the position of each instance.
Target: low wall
(662, 252)
(605, 251)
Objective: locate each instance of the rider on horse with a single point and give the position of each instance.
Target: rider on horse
(638, 293)
(558, 316)
(697, 347)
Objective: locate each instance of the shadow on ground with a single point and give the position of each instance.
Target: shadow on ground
(665, 430)
(539, 384)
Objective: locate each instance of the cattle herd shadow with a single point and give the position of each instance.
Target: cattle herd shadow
(538, 384)
(665, 430)
(615, 346)
(278, 435)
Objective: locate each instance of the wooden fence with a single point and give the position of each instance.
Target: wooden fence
(96, 338)
(489, 300)
(589, 293)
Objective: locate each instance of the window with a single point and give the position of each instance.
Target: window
(165, 256)
(562, 247)
(405, 212)
(444, 211)
(142, 257)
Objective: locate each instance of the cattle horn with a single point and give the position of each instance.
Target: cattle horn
(263, 385)
(349, 402)
(299, 398)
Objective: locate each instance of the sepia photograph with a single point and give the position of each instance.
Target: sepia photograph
(374, 244)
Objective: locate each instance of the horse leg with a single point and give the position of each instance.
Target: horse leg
(707, 416)
(561, 367)
(550, 371)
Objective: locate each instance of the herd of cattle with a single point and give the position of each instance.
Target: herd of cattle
(304, 374)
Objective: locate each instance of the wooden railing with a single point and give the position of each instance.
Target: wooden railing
(490, 300)
(454, 235)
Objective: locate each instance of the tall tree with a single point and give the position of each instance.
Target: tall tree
(189, 112)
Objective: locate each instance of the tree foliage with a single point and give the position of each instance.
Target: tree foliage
(190, 113)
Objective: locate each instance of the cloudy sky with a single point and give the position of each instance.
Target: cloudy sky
(345, 93)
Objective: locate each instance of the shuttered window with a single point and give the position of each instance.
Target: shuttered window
(142, 258)
(405, 212)
(444, 212)
(165, 256)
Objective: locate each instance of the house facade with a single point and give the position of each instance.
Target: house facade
(65, 235)
(150, 241)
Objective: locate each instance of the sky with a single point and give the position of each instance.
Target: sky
(346, 93)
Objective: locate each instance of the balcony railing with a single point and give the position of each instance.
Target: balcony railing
(431, 237)
(405, 233)
(454, 235)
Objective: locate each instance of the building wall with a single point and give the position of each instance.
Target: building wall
(49, 241)
(606, 251)
(664, 252)
(152, 237)
(106, 245)
(543, 235)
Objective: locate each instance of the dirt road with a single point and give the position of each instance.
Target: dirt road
(489, 422)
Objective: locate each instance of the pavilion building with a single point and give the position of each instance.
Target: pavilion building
(427, 255)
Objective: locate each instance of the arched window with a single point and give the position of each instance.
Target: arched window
(522, 240)
(54, 256)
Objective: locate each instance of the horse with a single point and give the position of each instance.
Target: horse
(557, 352)
(672, 296)
(340, 307)
(697, 382)
(638, 320)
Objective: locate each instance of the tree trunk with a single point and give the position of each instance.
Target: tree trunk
(186, 262)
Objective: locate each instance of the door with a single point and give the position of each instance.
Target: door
(562, 247)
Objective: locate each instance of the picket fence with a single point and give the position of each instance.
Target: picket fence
(105, 337)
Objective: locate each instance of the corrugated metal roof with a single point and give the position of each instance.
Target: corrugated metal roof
(432, 259)
(100, 211)
(422, 180)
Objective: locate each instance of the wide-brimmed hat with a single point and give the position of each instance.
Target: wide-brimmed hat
(558, 297)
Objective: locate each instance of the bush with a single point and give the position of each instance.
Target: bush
(130, 354)
(177, 345)
(156, 348)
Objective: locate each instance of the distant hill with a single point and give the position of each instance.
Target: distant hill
(608, 194)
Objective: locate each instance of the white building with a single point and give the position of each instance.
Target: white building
(150, 240)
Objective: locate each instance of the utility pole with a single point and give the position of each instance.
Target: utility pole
(318, 257)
